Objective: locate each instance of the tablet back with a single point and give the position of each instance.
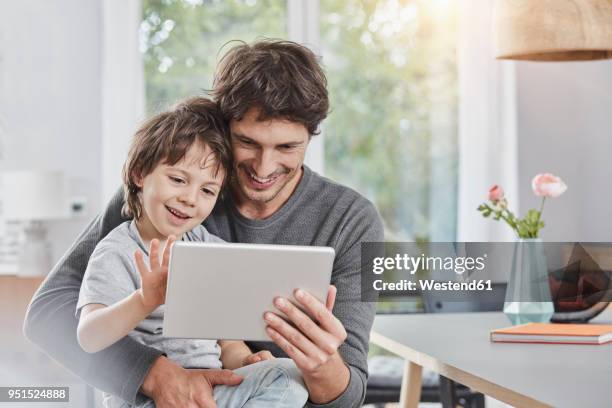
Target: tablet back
(221, 291)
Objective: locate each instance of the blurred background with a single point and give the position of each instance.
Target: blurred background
(424, 119)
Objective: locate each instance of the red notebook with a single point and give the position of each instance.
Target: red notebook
(554, 333)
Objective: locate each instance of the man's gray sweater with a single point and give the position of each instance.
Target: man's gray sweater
(319, 212)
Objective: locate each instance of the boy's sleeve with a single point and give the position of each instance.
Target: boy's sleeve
(51, 322)
(109, 276)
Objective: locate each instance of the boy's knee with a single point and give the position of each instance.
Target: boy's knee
(288, 373)
(288, 366)
(284, 367)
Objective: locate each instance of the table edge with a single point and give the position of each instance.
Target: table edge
(479, 384)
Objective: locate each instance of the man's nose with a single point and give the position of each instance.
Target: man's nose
(265, 164)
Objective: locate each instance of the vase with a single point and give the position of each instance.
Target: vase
(528, 293)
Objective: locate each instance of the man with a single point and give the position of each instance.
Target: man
(273, 93)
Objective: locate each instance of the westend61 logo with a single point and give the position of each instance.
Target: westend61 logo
(411, 264)
(434, 272)
(402, 264)
(411, 268)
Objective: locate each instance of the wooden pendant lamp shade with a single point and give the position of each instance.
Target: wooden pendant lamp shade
(553, 30)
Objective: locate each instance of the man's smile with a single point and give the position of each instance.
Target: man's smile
(259, 182)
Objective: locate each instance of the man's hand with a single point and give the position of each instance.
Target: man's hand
(312, 342)
(172, 386)
(257, 357)
(155, 277)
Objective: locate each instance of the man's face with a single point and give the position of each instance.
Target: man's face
(268, 158)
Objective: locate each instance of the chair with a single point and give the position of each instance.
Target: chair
(384, 384)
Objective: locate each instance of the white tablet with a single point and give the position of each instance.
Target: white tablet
(221, 290)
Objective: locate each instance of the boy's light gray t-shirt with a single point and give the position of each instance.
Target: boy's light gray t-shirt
(111, 276)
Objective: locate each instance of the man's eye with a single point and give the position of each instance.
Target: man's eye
(246, 142)
(287, 147)
(208, 191)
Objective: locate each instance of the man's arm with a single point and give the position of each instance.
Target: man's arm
(331, 350)
(51, 322)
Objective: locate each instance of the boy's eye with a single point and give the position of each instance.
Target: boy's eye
(176, 179)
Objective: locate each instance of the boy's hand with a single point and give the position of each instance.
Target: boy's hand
(153, 290)
(257, 357)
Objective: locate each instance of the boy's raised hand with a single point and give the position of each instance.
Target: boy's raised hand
(155, 277)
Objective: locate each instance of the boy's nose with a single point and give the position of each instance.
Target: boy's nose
(188, 196)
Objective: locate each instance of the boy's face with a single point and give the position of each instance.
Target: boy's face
(177, 198)
(268, 157)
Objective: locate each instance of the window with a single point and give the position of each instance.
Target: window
(392, 72)
(180, 41)
(392, 134)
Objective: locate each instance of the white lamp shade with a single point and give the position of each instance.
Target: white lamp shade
(33, 195)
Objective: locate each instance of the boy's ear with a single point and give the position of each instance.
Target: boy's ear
(137, 179)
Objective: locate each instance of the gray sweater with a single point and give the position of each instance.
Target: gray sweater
(320, 212)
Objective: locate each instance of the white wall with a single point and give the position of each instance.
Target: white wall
(565, 127)
(50, 105)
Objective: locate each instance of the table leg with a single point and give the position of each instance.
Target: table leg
(410, 394)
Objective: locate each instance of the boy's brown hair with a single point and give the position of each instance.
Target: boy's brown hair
(282, 79)
(166, 137)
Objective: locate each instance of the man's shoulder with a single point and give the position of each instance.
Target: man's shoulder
(330, 193)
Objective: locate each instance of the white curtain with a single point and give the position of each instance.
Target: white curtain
(487, 125)
(303, 28)
(123, 95)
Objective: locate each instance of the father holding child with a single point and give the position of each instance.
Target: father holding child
(273, 95)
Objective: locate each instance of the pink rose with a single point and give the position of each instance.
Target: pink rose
(496, 194)
(548, 185)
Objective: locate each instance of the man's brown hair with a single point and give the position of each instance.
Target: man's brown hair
(166, 137)
(282, 79)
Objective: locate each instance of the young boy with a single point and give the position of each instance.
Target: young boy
(175, 170)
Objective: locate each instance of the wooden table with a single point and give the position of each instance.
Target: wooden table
(523, 375)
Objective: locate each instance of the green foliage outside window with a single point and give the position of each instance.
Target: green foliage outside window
(392, 134)
(181, 41)
(392, 71)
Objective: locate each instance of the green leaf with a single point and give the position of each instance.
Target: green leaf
(533, 216)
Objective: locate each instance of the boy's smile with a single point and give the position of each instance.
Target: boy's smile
(176, 198)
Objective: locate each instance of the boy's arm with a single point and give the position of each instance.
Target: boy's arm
(51, 322)
(233, 353)
(236, 354)
(101, 325)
